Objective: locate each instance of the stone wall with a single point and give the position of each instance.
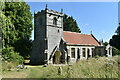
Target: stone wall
(54, 32)
(39, 43)
(80, 53)
(46, 35)
(100, 51)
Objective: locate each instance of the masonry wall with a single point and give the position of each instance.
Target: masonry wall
(39, 44)
(100, 51)
(80, 52)
(54, 33)
(46, 35)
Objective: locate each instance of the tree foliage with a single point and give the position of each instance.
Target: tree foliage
(118, 30)
(8, 34)
(8, 31)
(21, 17)
(105, 43)
(116, 51)
(11, 56)
(115, 41)
(70, 24)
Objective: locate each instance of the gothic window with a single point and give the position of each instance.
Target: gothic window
(73, 52)
(84, 52)
(55, 21)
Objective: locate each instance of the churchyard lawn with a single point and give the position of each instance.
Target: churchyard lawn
(99, 67)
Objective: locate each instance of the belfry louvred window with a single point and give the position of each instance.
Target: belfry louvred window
(55, 21)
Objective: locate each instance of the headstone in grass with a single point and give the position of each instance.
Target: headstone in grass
(18, 70)
(45, 65)
(60, 71)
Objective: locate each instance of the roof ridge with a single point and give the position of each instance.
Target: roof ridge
(76, 32)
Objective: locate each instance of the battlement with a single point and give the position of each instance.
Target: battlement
(51, 12)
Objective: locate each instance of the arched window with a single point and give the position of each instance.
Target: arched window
(55, 21)
(84, 52)
(72, 52)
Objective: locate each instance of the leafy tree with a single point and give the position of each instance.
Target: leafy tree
(11, 56)
(70, 24)
(105, 43)
(116, 51)
(8, 34)
(118, 30)
(21, 17)
(115, 41)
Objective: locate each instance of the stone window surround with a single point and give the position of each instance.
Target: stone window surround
(80, 51)
(54, 21)
(73, 51)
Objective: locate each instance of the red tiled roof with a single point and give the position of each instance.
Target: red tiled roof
(74, 38)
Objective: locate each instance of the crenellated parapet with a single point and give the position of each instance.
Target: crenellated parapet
(49, 11)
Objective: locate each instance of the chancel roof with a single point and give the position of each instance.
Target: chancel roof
(73, 38)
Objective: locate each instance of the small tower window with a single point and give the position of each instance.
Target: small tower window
(55, 21)
(58, 31)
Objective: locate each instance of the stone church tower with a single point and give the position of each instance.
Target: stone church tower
(48, 37)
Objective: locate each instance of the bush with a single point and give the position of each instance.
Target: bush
(116, 51)
(9, 55)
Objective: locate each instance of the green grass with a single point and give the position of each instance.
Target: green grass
(91, 68)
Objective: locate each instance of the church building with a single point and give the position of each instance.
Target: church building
(52, 45)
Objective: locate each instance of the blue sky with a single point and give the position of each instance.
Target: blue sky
(99, 17)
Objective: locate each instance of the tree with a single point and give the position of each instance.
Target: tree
(115, 41)
(116, 51)
(118, 30)
(70, 24)
(21, 17)
(8, 34)
(105, 43)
